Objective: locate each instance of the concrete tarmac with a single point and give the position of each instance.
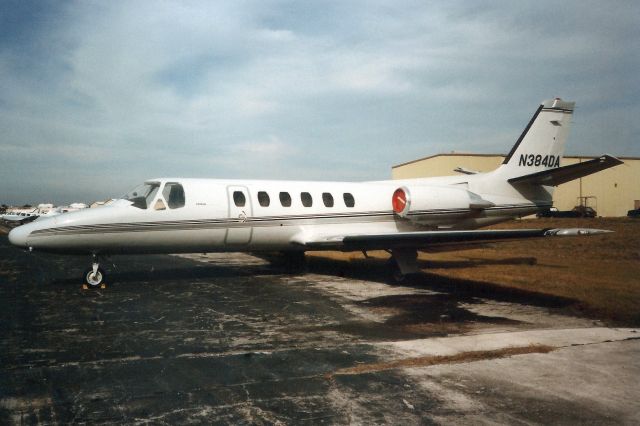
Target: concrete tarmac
(228, 338)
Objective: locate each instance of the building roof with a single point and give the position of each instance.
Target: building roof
(468, 154)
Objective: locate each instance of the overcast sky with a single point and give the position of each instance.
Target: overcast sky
(96, 97)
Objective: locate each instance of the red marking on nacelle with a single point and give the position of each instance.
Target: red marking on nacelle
(399, 201)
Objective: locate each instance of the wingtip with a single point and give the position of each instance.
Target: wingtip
(611, 158)
(572, 232)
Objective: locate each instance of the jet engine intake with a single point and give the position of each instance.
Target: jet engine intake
(418, 202)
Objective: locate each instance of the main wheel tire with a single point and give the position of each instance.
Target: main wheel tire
(294, 262)
(398, 277)
(94, 280)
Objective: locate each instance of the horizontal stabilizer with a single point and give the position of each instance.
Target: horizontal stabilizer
(426, 239)
(560, 175)
(465, 171)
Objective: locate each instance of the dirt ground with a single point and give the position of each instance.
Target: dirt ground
(601, 274)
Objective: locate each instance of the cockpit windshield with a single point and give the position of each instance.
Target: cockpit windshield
(142, 195)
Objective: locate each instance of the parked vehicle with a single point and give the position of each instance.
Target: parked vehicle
(577, 211)
(584, 211)
(550, 212)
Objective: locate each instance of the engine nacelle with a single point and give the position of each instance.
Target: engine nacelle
(412, 203)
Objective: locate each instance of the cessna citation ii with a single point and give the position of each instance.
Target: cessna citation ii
(173, 215)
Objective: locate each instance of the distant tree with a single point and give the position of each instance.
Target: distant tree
(27, 206)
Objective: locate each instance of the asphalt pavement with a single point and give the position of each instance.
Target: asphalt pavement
(229, 338)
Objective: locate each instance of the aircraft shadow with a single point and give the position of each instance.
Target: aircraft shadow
(377, 271)
(124, 273)
(409, 316)
(446, 309)
(474, 262)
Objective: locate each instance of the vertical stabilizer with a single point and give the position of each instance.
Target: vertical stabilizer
(541, 144)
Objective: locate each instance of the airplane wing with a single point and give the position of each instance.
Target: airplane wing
(560, 175)
(435, 239)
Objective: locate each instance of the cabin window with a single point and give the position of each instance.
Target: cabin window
(285, 199)
(306, 199)
(327, 199)
(263, 199)
(174, 194)
(349, 201)
(239, 199)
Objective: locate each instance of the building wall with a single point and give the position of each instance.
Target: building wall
(444, 164)
(615, 189)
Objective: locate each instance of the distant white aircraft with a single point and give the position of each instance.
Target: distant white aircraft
(19, 216)
(22, 216)
(172, 215)
(72, 207)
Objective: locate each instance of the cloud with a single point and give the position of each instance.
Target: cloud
(119, 92)
(271, 146)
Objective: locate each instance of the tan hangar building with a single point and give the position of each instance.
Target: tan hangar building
(611, 192)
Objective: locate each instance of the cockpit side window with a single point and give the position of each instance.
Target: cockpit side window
(142, 195)
(174, 194)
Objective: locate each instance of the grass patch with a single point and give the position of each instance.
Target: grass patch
(600, 273)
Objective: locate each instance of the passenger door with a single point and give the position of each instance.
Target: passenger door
(239, 229)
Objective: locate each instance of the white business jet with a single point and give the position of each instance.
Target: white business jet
(23, 216)
(19, 216)
(172, 215)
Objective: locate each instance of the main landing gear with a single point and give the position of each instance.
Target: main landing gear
(94, 276)
(402, 263)
(294, 262)
(394, 274)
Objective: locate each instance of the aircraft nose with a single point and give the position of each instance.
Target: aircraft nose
(18, 236)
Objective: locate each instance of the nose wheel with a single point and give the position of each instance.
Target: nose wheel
(94, 276)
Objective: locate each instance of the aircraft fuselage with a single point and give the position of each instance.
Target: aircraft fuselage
(247, 215)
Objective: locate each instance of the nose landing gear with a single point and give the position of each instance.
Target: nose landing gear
(94, 276)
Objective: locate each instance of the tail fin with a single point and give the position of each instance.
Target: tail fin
(541, 144)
